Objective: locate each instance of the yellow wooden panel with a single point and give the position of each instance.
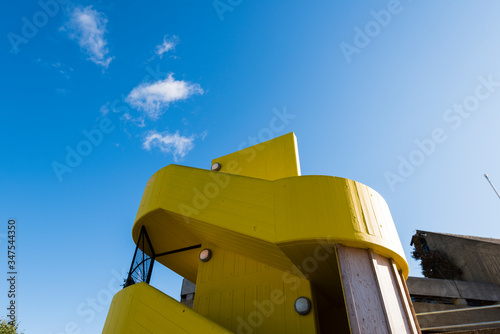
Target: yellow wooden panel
(185, 206)
(243, 204)
(256, 216)
(141, 308)
(257, 299)
(271, 160)
(335, 210)
(267, 226)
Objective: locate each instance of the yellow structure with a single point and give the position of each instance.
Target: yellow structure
(281, 252)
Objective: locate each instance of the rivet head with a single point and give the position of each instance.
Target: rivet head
(205, 255)
(302, 305)
(216, 166)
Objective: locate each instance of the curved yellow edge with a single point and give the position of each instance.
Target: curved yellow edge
(140, 308)
(184, 206)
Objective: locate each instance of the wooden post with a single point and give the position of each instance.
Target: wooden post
(374, 293)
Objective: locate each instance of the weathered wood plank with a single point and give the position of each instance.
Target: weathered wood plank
(361, 292)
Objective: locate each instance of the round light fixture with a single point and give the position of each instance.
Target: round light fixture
(216, 166)
(205, 255)
(302, 305)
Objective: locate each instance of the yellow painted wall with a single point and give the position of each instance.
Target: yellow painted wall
(271, 160)
(258, 218)
(335, 210)
(248, 296)
(140, 308)
(262, 220)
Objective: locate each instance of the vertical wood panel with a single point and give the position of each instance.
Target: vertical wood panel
(375, 295)
(406, 294)
(402, 296)
(384, 300)
(361, 292)
(235, 292)
(226, 302)
(392, 302)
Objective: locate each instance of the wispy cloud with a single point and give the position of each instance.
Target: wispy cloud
(87, 26)
(104, 110)
(59, 67)
(166, 142)
(62, 69)
(168, 44)
(204, 135)
(154, 98)
(137, 121)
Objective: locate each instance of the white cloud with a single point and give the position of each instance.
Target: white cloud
(88, 26)
(126, 117)
(175, 144)
(154, 98)
(138, 121)
(104, 110)
(167, 45)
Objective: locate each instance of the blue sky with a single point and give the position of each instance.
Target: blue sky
(402, 96)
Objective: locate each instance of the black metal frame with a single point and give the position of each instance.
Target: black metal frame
(179, 250)
(143, 238)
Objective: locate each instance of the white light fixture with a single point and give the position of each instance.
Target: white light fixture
(216, 166)
(205, 255)
(302, 305)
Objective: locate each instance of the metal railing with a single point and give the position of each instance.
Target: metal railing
(142, 262)
(144, 259)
